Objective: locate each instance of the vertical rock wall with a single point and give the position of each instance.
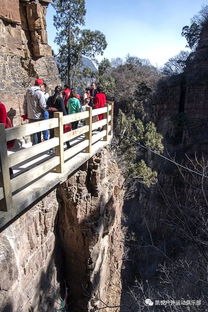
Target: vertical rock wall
(181, 100)
(27, 260)
(24, 51)
(193, 80)
(91, 236)
(68, 247)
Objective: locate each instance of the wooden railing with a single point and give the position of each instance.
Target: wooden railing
(58, 162)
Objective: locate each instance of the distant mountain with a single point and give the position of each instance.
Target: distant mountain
(80, 83)
(86, 81)
(88, 63)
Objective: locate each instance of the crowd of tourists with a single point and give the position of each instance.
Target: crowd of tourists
(39, 105)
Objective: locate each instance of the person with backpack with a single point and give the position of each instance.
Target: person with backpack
(34, 106)
(55, 103)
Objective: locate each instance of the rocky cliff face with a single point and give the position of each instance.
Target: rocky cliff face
(90, 233)
(24, 51)
(181, 100)
(27, 252)
(67, 249)
(165, 221)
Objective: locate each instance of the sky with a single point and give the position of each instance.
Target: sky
(148, 29)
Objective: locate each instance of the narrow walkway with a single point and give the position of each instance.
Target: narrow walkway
(39, 168)
(28, 164)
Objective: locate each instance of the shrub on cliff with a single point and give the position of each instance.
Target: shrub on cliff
(131, 134)
(198, 23)
(133, 82)
(176, 64)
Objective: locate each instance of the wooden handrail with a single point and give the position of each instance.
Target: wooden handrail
(32, 151)
(111, 116)
(88, 135)
(59, 150)
(99, 111)
(48, 163)
(74, 133)
(30, 128)
(6, 203)
(75, 117)
(106, 127)
(99, 124)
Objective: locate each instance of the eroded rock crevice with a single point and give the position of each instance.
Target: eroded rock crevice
(91, 236)
(68, 248)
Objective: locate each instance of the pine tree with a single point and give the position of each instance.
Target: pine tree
(74, 42)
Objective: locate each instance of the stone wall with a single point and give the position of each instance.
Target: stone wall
(24, 51)
(68, 247)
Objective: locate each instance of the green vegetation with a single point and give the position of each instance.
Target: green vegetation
(167, 228)
(176, 64)
(192, 32)
(131, 83)
(131, 135)
(74, 42)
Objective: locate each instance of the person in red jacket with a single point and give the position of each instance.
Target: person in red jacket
(3, 114)
(66, 94)
(7, 124)
(99, 101)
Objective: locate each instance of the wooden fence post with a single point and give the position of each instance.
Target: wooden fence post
(111, 114)
(88, 135)
(59, 132)
(4, 174)
(106, 127)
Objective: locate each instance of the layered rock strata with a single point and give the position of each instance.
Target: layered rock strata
(24, 51)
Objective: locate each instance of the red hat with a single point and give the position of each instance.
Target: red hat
(38, 82)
